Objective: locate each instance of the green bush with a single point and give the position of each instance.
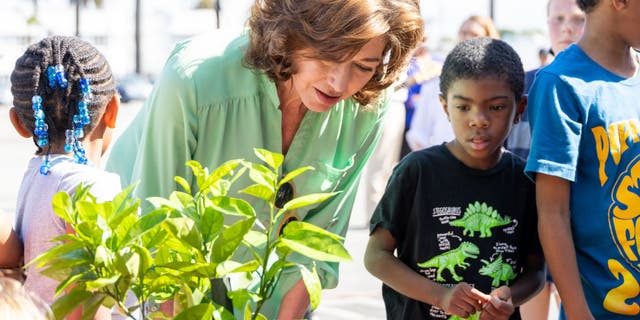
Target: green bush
(175, 250)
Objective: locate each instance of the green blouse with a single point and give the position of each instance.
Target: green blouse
(211, 108)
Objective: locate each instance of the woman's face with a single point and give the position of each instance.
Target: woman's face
(320, 84)
(470, 30)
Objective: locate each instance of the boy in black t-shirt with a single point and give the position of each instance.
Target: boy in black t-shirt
(461, 216)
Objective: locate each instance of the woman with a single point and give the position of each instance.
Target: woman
(308, 80)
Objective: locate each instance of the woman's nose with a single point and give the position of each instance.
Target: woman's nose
(339, 78)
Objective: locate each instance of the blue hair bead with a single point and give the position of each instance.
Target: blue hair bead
(46, 166)
(51, 76)
(60, 76)
(36, 99)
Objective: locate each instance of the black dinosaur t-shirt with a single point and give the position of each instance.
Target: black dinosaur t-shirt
(453, 223)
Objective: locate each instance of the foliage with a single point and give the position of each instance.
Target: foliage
(175, 250)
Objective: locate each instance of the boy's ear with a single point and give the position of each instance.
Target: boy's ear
(443, 101)
(21, 129)
(521, 108)
(620, 4)
(111, 112)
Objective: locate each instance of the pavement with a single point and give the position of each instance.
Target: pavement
(358, 295)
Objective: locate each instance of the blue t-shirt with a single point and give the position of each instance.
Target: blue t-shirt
(586, 129)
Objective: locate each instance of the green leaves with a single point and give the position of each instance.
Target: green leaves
(193, 236)
(313, 242)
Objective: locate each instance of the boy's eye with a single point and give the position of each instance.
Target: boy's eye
(497, 107)
(462, 107)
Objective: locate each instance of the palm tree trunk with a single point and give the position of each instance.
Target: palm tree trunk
(77, 18)
(137, 37)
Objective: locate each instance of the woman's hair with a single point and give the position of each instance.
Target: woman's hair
(17, 303)
(487, 24)
(336, 30)
(587, 5)
(79, 60)
(481, 58)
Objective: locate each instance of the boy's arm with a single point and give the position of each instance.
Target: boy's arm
(554, 228)
(531, 282)
(462, 300)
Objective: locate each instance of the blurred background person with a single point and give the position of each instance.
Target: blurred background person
(429, 125)
(565, 23)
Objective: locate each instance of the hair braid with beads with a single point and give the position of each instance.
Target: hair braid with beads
(80, 60)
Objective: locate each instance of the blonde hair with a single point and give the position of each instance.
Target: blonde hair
(17, 303)
(337, 30)
(487, 24)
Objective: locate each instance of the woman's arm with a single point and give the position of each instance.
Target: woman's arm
(461, 300)
(554, 228)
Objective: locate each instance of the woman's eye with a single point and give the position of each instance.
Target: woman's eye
(364, 68)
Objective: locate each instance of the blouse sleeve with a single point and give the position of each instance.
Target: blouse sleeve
(161, 138)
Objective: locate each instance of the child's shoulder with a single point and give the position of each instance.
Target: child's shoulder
(70, 175)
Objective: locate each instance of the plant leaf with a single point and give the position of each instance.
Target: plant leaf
(305, 200)
(259, 191)
(314, 242)
(229, 266)
(94, 285)
(312, 282)
(274, 160)
(198, 312)
(233, 206)
(291, 175)
(182, 182)
(146, 223)
(63, 207)
(230, 238)
(67, 303)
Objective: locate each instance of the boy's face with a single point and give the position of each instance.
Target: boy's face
(482, 112)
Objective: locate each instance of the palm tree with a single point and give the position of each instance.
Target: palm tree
(211, 4)
(137, 37)
(78, 2)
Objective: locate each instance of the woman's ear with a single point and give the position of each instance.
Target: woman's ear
(111, 112)
(21, 129)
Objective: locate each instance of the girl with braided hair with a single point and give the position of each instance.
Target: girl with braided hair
(64, 98)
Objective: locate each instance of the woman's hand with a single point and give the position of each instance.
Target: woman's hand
(463, 300)
(500, 305)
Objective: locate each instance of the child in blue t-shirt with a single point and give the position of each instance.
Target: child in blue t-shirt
(584, 112)
(454, 233)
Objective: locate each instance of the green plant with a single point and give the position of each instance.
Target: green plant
(173, 251)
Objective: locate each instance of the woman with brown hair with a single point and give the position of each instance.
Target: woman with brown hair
(308, 80)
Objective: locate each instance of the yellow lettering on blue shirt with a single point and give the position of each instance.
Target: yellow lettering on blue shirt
(613, 141)
(616, 299)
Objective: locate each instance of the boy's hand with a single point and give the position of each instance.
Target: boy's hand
(500, 305)
(463, 300)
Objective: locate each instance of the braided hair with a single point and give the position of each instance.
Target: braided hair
(80, 60)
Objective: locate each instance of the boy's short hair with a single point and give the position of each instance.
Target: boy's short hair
(587, 5)
(483, 57)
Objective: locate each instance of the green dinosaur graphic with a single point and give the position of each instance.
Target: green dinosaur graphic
(481, 218)
(498, 270)
(451, 259)
(475, 316)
